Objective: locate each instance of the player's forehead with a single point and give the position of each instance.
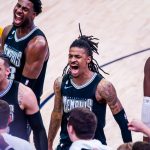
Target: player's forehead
(77, 50)
(25, 3)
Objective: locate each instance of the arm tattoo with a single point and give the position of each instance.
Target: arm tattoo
(56, 115)
(108, 93)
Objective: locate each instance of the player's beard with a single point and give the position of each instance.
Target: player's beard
(19, 26)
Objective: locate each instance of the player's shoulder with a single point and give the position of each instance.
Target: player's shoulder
(7, 29)
(37, 45)
(25, 90)
(58, 81)
(147, 65)
(39, 40)
(148, 61)
(104, 83)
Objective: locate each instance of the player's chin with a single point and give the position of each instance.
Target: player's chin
(17, 24)
(75, 75)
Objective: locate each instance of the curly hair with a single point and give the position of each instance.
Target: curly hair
(86, 42)
(37, 5)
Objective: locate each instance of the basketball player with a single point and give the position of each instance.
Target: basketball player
(146, 99)
(26, 46)
(23, 107)
(7, 141)
(83, 86)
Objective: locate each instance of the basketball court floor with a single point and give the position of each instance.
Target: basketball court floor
(123, 28)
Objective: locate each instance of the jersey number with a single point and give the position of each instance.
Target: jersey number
(12, 73)
(11, 112)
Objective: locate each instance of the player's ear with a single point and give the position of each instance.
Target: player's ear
(34, 15)
(9, 119)
(7, 71)
(89, 59)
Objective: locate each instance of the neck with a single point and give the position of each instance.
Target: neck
(86, 76)
(22, 31)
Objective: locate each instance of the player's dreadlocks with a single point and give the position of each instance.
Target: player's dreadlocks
(87, 43)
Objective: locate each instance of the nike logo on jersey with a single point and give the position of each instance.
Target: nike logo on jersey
(67, 87)
(10, 37)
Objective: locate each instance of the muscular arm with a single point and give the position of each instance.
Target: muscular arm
(28, 102)
(35, 53)
(146, 84)
(56, 115)
(107, 92)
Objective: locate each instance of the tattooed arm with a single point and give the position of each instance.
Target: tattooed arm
(107, 92)
(56, 115)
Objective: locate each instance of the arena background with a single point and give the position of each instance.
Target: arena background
(123, 28)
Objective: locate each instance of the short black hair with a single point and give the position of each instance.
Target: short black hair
(37, 5)
(4, 114)
(84, 122)
(6, 59)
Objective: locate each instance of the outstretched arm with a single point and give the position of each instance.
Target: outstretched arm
(107, 92)
(28, 102)
(56, 115)
(139, 126)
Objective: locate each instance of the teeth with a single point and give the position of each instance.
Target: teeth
(18, 16)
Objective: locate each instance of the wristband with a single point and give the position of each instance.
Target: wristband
(28, 82)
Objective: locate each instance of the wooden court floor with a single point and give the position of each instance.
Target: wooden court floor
(123, 28)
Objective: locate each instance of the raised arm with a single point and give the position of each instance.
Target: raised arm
(28, 102)
(107, 92)
(56, 115)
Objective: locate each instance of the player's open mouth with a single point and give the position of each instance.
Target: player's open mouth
(74, 69)
(18, 19)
